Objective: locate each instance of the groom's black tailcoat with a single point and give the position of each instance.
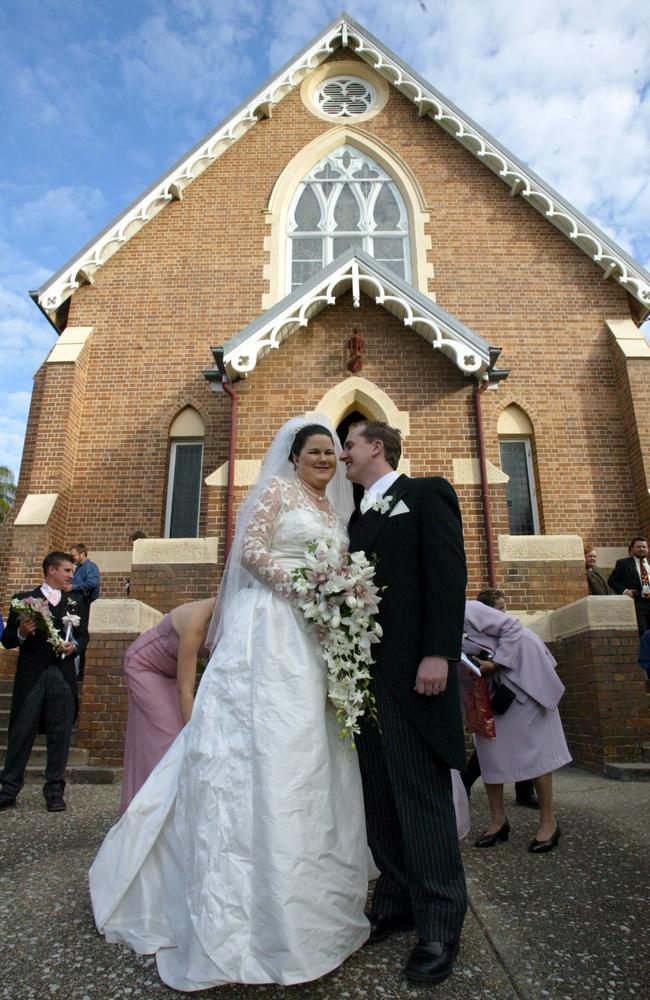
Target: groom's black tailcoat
(420, 561)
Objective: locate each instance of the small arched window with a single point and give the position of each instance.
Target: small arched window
(346, 200)
(185, 474)
(516, 448)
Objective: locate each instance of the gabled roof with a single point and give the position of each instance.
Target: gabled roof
(344, 31)
(358, 272)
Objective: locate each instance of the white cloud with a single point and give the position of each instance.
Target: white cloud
(192, 54)
(63, 208)
(26, 339)
(12, 436)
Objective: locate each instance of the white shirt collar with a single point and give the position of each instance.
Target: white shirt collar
(381, 485)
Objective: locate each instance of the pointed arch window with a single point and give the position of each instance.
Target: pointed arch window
(186, 436)
(346, 200)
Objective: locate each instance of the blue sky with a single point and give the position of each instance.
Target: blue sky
(100, 98)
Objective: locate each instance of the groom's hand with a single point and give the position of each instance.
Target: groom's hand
(431, 677)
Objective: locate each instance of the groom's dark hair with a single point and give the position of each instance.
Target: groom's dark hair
(55, 559)
(303, 434)
(391, 438)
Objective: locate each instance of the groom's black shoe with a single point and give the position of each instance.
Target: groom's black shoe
(383, 927)
(431, 961)
(55, 804)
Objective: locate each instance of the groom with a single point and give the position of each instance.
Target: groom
(412, 529)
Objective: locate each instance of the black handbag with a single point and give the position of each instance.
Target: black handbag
(501, 698)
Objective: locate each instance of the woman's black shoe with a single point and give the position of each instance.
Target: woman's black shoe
(544, 846)
(492, 839)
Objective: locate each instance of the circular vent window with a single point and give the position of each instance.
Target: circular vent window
(345, 96)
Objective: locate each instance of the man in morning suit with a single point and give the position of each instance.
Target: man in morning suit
(412, 529)
(45, 697)
(631, 577)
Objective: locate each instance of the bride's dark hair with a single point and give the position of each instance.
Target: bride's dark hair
(303, 434)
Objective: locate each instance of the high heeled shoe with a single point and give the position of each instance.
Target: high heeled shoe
(544, 846)
(492, 839)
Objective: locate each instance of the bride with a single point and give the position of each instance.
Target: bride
(243, 857)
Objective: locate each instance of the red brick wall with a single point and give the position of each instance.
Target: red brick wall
(104, 701)
(632, 376)
(539, 586)
(166, 586)
(605, 708)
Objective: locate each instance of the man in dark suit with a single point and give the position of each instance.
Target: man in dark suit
(412, 529)
(631, 577)
(45, 697)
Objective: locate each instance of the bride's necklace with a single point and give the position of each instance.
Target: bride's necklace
(308, 492)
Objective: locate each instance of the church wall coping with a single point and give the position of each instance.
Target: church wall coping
(162, 551)
(121, 615)
(36, 509)
(540, 548)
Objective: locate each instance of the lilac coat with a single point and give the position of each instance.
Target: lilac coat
(529, 737)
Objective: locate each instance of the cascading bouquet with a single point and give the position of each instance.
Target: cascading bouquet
(38, 610)
(337, 596)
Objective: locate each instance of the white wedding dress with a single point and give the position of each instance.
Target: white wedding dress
(243, 857)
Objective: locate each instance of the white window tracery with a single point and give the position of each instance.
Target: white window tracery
(345, 97)
(346, 200)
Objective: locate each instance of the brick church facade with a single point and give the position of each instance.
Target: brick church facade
(347, 241)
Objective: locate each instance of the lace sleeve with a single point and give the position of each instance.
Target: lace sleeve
(255, 555)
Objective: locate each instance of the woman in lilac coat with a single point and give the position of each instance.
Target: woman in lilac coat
(160, 670)
(529, 740)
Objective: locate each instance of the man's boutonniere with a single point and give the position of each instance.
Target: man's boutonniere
(71, 603)
(381, 504)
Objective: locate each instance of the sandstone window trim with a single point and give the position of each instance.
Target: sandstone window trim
(280, 202)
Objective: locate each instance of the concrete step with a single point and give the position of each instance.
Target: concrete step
(81, 774)
(5, 700)
(41, 738)
(633, 770)
(39, 756)
(645, 752)
(6, 685)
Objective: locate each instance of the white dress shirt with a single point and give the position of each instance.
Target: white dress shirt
(377, 489)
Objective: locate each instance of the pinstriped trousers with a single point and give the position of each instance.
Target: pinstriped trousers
(50, 696)
(411, 824)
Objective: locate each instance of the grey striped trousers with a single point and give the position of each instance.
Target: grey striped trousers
(411, 824)
(50, 696)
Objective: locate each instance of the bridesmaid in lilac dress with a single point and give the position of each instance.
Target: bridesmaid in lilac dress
(160, 669)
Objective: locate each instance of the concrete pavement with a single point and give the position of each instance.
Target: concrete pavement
(565, 926)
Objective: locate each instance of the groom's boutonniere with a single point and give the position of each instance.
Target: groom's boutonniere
(381, 504)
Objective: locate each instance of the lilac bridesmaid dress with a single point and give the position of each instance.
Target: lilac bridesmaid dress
(154, 719)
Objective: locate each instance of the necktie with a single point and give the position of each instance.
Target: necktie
(52, 595)
(645, 580)
(367, 501)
